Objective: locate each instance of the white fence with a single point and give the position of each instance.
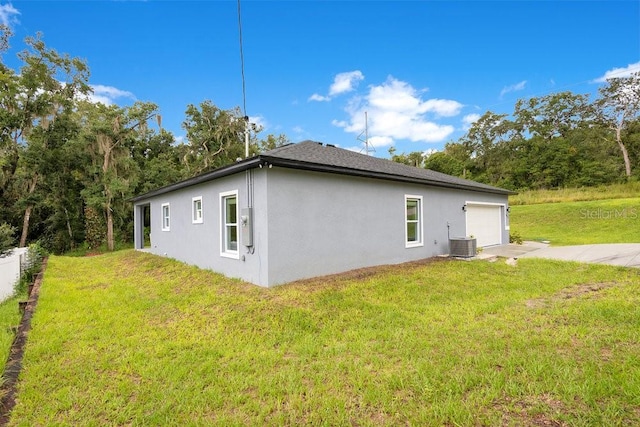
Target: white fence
(10, 269)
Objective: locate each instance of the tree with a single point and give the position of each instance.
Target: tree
(44, 97)
(631, 136)
(6, 238)
(441, 161)
(216, 137)
(5, 35)
(109, 134)
(10, 125)
(618, 105)
(158, 160)
(415, 158)
(272, 142)
(553, 115)
(486, 143)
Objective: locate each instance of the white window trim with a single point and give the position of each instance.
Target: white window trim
(223, 251)
(420, 242)
(195, 220)
(162, 217)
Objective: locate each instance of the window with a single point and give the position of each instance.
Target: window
(413, 218)
(196, 210)
(229, 224)
(165, 217)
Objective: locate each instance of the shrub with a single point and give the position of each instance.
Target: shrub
(31, 266)
(515, 237)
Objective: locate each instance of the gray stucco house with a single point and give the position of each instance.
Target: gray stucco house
(308, 209)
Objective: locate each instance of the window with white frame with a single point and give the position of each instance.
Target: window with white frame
(413, 219)
(165, 217)
(196, 210)
(229, 224)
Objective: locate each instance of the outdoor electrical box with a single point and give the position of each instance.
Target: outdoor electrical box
(246, 219)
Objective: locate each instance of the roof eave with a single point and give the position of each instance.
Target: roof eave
(199, 179)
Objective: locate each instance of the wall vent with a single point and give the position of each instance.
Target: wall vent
(464, 247)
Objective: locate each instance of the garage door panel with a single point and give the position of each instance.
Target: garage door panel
(485, 224)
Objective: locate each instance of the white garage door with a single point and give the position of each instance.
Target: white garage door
(484, 222)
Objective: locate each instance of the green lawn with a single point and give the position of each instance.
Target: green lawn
(133, 339)
(578, 223)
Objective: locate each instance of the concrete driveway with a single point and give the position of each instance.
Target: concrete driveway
(621, 254)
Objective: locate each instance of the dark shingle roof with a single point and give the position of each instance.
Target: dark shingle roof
(315, 156)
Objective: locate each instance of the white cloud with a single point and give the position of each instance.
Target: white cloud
(381, 141)
(319, 98)
(469, 119)
(443, 107)
(8, 14)
(345, 82)
(342, 83)
(395, 111)
(619, 72)
(402, 97)
(513, 88)
(107, 94)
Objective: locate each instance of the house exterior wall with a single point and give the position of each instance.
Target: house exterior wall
(322, 223)
(308, 224)
(200, 244)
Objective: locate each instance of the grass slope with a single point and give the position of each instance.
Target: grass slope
(133, 339)
(614, 191)
(578, 223)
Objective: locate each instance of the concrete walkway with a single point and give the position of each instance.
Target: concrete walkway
(621, 254)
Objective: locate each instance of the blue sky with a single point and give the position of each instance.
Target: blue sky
(421, 70)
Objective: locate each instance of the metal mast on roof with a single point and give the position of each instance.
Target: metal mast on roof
(367, 150)
(244, 88)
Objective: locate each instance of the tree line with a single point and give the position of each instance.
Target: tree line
(558, 140)
(68, 166)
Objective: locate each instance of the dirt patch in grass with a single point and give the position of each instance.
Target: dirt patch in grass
(94, 286)
(577, 291)
(91, 254)
(590, 289)
(531, 410)
(363, 273)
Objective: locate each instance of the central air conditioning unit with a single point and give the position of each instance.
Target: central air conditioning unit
(464, 247)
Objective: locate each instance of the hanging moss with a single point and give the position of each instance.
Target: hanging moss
(94, 228)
